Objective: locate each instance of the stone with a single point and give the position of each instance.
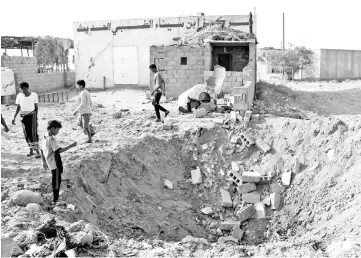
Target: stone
(10, 248)
(117, 115)
(246, 212)
(237, 232)
(213, 224)
(235, 140)
(168, 184)
(223, 240)
(246, 188)
(260, 210)
(286, 178)
(226, 198)
(275, 200)
(221, 102)
(71, 207)
(263, 146)
(235, 201)
(207, 210)
(267, 201)
(229, 224)
(196, 176)
(252, 197)
(33, 207)
(248, 114)
(251, 177)
(235, 177)
(235, 166)
(296, 166)
(200, 112)
(24, 197)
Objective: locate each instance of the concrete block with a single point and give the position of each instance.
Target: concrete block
(229, 225)
(263, 146)
(246, 139)
(246, 212)
(246, 188)
(221, 102)
(235, 176)
(168, 184)
(264, 180)
(296, 166)
(218, 121)
(251, 177)
(255, 117)
(233, 118)
(275, 200)
(196, 176)
(198, 113)
(260, 210)
(226, 198)
(248, 114)
(252, 197)
(237, 232)
(286, 178)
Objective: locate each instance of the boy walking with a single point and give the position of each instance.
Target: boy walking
(159, 89)
(84, 110)
(51, 156)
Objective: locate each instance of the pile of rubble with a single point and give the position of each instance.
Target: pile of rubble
(247, 194)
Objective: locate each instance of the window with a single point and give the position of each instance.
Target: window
(183, 61)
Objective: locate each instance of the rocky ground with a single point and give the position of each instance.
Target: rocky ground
(113, 199)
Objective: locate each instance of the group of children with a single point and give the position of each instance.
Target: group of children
(27, 106)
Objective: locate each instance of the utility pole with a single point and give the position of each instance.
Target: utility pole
(283, 31)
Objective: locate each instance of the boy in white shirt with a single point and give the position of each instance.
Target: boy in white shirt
(27, 102)
(51, 156)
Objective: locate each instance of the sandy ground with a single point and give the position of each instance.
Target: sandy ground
(116, 183)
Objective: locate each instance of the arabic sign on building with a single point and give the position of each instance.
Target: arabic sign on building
(190, 23)
(7, 82)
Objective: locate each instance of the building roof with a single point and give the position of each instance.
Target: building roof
(216, 33)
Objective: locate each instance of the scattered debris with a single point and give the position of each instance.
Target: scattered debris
(226, 198)
(168, 184)
(207, 210)
(196, 176)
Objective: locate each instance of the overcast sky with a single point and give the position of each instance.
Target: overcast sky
(313, 23)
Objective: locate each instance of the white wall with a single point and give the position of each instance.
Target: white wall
(99, 45)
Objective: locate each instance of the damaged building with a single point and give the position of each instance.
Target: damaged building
(185, 49)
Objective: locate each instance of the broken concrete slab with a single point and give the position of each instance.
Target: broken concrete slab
(226, 199)
(286, 178)
(196, 176)
(168, 184)
(275, 200)
(237, 232)
(229, 224)
(246, 188)
(296, 166)
(263, 146)
(246, 212)
(260, 210)
(250, 177)
(224, 240)
(235, 177)
(252, 197)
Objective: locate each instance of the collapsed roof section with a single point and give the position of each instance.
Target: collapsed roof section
(215, 32)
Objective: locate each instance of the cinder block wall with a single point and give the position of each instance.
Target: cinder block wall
(26, 69)
(232, 79)
(179, 78)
